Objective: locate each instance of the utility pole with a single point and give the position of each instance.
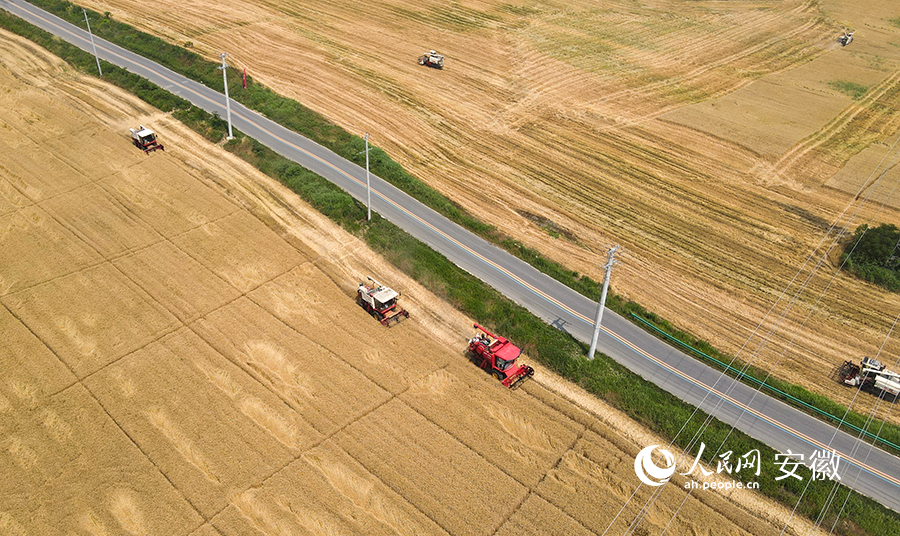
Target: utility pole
(224, 68)
(609, 264)
(368, 184)
(92, 41)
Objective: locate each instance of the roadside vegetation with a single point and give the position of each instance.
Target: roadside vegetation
(642, 400)
(872, 255)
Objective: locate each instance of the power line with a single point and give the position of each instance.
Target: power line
(782, 316)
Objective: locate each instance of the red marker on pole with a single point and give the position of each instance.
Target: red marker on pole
(245, 78)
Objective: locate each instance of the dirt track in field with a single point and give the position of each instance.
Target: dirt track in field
(183, 355)
(703, 137)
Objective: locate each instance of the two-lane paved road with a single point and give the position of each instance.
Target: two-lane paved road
(864, 468)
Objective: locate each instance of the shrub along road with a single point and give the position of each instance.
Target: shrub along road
(864, 468)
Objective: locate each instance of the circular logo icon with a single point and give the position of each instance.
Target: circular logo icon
(650, 473)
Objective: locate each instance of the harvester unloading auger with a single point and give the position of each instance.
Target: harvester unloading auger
(381, 302)
(498, 356)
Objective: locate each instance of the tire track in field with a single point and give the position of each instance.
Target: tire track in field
(546, 85)
(111, 418)
(687, 48)
(161, 421)
(696, 74)
(837, 125)
(400, 492)
(533, 490)
(529, 489)
(327, 437)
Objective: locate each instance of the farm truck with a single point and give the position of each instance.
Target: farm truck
(498, 356)
(380, 302)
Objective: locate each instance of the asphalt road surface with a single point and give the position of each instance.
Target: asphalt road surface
(862, 467)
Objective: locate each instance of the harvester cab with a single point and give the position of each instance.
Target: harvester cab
(145, 139)
(498, 356)
(380, 302)
(432, 59)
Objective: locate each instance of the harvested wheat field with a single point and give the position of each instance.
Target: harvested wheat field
(184, 356)
(711, 139)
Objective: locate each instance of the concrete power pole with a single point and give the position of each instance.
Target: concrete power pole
(92, 41)
(600, 306)
(368, 183)
(224, 68)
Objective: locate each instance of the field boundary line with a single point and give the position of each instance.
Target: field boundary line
(329, 350)
(836, 125)
(533, 490)
(102, 261)
(109, 415)
(146, 295)
(371, 472)
(529, 489)
(326, 437)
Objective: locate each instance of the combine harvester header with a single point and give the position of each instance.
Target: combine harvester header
(498, 356)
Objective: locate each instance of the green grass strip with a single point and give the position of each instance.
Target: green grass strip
(294, 116)
(815, 404)
(851, 89)
(642, 400)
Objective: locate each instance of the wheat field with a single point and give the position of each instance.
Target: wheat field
(173, 365)
(714, 141)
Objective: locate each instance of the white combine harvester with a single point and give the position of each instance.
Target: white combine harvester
(380, 302)
(145, 139)
(432, 59)
(846, 38)
(872, 376)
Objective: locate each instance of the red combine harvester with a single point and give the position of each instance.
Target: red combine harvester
(380, 302)
(145, 139)
(498, 356)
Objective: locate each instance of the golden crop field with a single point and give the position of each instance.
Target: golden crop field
(716, 141)
(174, 365)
